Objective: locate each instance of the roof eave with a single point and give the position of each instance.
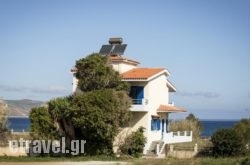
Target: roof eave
(170, 111)
(159, 73)
(171, 86)
(132, 80)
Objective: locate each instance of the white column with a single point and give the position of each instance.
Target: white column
(74, 83)
(164, 130)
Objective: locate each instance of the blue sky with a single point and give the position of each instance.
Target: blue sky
(204, 44)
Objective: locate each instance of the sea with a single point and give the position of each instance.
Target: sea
(211, 126)
(22, 124)
(18, 124)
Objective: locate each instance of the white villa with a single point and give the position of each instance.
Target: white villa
(149, 92)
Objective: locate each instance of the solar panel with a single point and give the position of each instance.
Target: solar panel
(119, 49)
(106, 49)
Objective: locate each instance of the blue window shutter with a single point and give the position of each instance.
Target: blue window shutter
(140, 92)
(152, 124)
(158, 124)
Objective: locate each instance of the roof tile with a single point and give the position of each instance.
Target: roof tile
(170, 108)
(141, 73)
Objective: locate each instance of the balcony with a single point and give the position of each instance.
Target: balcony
(170, 138)
(139, 105)
(177, 137)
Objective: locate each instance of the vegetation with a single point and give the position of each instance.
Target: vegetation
(194, 161)
(95, 73)
(191, 123)
(3, 118)
(94, 113)
(134, 143)
(232, 142)
(3, 124)
(226, 142)
(148, 161)
(42, 124)
(242, 128)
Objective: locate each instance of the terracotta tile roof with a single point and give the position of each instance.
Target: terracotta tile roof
(114, 58)
(170, 108)
(141, 73)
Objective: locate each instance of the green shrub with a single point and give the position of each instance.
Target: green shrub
(226, 142)
(3, 117)
(242, 128)
(134, 143)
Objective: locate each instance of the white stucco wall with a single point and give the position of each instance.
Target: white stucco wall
(138, 119)
(122, 67)
(157, 95)
(158, 91)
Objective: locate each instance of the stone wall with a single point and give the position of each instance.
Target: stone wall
(171, 152)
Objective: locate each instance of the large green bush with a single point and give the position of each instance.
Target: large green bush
(242, 128)
(134, 143)
(226, 142)
(94, 113)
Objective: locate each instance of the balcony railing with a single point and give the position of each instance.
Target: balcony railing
(138, 101)
(177, 137)
(139, 105)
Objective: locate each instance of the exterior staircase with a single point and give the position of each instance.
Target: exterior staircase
(152, 148)
(156, 148)
(161, 147)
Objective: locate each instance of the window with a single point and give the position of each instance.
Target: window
(155, 124)
(137, 94)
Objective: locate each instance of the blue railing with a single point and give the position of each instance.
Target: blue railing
(137, 101)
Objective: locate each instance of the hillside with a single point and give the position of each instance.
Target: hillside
(20, 107)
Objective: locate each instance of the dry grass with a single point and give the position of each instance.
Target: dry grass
(195, 161)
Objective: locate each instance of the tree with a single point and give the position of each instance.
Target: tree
(197, 124)
(100, 114)
(95, 114)
(42, 124)
(95, 72)
(3, 118)
(3, 123)
(61, 114)
(242, 128)
(226, 142)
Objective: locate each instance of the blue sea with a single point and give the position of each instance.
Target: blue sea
(211, 126)
(20, 124)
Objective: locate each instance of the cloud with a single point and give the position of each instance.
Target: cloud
(209, 95)
(44, 90)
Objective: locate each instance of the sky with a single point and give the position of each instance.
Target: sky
(204, 44)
